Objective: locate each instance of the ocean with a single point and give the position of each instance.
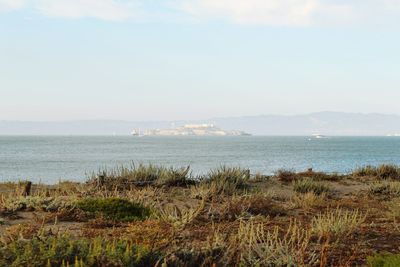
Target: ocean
(49, 159)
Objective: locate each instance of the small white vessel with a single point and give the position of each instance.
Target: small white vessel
(319, 136)
(136, 132)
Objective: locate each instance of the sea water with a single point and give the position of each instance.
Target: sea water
(49, 159)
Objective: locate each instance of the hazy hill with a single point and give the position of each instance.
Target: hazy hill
(328, 123)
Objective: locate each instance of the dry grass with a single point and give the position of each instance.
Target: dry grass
(337, 223)
(245, 206)
(20, 232)
(179, 217)
(63, 188)
(258, 247)
(204, 190)
(147, 196)
(51, 204)
(216, 239)
(308, 200)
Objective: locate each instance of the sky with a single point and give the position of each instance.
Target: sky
(196, 59)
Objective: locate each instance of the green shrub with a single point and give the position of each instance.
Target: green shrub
(65, 251)
(309, 185)
(123, 177)
(384, 260)
(228, 179)
(114, 208)
(384, 171)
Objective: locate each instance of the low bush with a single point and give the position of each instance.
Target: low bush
(307, 185)
(114, 208)
(384, 260)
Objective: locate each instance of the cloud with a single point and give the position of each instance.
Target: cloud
(9, 5)
(100, 9)
(248, 12)
(269, 12)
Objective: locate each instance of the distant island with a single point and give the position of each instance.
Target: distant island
(190, 130)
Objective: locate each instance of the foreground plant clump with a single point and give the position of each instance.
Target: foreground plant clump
(148, 215)
(65, 251)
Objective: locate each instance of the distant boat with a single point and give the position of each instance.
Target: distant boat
(319, 136)
(136, 132)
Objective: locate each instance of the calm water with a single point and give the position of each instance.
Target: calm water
(49, 159)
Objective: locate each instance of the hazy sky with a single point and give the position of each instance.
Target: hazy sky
(193, 59)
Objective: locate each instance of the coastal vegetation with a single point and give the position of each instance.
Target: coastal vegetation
(382, 172)
(148, 215)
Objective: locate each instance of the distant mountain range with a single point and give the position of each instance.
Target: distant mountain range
(326, 123)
